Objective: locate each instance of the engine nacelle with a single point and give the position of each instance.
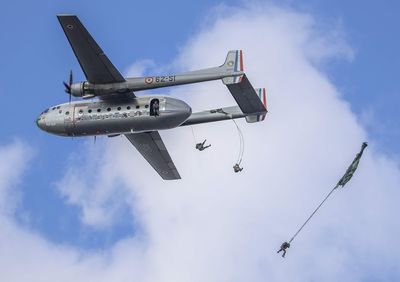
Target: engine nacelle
(87, 90)
(82, 89)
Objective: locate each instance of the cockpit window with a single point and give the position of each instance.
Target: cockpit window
(45, 111)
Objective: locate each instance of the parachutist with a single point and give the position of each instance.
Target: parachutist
(237, 168)
(201, 147)
(284, 246)
(156, 108)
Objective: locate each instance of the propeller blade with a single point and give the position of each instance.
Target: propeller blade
(70, 78)
(67, 87)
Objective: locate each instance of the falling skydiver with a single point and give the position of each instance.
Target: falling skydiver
(201, 147)
(237, 168)
(284, 246)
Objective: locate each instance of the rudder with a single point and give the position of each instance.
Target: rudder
(233, 63)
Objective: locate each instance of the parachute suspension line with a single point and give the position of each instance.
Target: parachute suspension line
(313, 213)
(241, 140)
(194, 137)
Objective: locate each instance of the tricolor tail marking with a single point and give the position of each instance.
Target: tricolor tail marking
(263, 97)
(238, 65)
(239, 61)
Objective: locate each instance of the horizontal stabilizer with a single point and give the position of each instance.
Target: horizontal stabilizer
(246, 97)
(262, 95)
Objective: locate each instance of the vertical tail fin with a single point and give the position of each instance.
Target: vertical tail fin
(234, 64)
(262, 95)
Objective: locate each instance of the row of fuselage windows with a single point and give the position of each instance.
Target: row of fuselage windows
(99, 110)
(115, 115)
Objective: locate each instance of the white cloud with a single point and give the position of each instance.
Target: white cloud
(215, 225)
(14, 158)
(140, 67)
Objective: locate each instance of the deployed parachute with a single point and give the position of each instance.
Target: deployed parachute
(345, 178)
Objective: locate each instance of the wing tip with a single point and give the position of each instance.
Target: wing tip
(171, 176)
(65, 15)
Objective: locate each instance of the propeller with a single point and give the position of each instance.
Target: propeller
(68, 85)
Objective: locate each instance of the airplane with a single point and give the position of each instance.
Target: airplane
(118, 111)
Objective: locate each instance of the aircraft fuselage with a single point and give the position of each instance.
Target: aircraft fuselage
(136, 115)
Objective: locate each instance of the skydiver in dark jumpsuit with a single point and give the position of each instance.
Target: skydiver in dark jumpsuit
(283, 248)
(201, 147)
(156, 108)
(237, 168)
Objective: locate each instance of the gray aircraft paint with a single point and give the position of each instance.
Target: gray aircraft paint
(120, 111)
(104, 118)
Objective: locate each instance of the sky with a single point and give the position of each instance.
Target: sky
(72, 209)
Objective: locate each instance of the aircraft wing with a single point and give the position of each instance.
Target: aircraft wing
(152, 148)
(97, 67)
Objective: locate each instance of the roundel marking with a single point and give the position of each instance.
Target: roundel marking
(145, 147)
(70, 26)
(148, 80)
(230, 63)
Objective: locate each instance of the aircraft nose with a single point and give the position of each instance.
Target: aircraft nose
(40, 122)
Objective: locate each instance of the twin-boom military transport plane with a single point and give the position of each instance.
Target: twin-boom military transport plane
(119, 111)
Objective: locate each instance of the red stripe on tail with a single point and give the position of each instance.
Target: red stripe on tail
(241, 60)
(264, 98)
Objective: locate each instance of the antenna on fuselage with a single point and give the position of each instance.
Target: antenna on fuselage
(68, 86)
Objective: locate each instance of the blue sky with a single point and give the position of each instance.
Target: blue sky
(36, 58)
(34, 39)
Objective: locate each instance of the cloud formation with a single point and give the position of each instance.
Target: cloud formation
(14, 158)
(215, 225)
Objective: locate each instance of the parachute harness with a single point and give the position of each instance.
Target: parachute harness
(199, 145)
